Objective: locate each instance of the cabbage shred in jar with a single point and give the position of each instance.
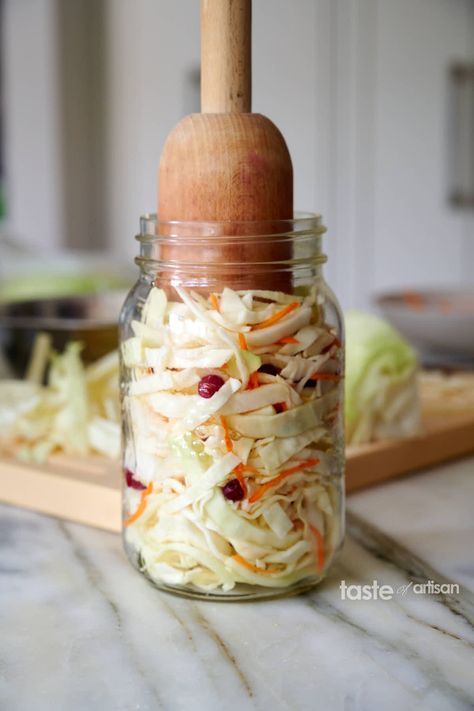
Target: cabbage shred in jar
(232, 410)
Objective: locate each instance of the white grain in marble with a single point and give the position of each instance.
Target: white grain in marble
(82, 630)
(430, 512)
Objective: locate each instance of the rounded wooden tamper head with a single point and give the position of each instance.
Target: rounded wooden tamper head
(226, 165)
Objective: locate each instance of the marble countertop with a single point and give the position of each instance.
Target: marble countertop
(81, 630)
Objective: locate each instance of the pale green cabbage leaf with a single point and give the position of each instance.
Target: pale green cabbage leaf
(380, 385)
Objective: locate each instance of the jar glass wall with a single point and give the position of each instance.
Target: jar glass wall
(232, 389)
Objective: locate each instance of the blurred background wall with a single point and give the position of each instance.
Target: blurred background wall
(359, 88)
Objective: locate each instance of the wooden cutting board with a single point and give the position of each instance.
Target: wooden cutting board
(88, 490)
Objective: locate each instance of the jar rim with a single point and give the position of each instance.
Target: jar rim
(303, 224)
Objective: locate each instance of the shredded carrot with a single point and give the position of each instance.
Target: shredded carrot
(227, 439)
(251, 566)
(326, 376)
(265, 487)
(319, 546)
(239, 475)
(288, 339)
(301, 466)
(243, 342)
(253, 382)
(276, 317)
(281, 476)
(248, 468)
(214, 301)
(141, 506)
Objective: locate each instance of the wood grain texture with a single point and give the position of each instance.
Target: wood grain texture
(441, 438)
(229, 168)
(232, 167)
(83, 490)
(226, 81)
(226, 164)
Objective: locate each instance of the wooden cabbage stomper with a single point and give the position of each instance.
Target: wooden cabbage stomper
(227, 164)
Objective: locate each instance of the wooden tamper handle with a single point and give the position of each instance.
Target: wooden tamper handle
(228, 166)
(226, 56)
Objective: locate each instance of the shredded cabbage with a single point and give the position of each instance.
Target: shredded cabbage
(273, 434)
(278, 520)
(247, 400)
(279, 450)
(213, 476)
(233, 307)
(286, 424)
(77, 412)
(286, 327)
(154, 308)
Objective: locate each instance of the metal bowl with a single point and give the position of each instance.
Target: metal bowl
(92, 320)
(439, 322)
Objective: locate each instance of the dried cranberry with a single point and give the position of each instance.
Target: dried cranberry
(280, 407)
(233, 490)
(269, 369)
(131, 481)
(209, 385)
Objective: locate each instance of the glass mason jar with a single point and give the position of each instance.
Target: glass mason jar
(232, 391)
